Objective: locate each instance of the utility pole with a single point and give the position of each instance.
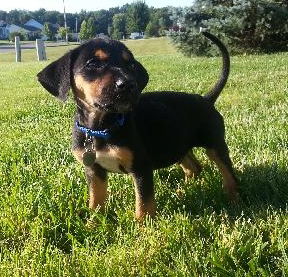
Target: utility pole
(76, 28)
(65, 23)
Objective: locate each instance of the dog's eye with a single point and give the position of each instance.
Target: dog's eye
(91, 63)
(94, 64)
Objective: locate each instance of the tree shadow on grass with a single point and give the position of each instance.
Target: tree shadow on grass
(260, 187)
(266, 185)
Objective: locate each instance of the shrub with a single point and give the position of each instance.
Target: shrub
(12, 36)
(245, 25)
(152, 29)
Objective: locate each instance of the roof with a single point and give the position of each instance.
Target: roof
(32, 22)
(30, 28)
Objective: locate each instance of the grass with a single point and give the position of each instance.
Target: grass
(4, 42)
(197, 232)
(159, 46)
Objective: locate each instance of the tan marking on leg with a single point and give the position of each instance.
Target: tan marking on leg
(77, 153)
(144, 209)
(97, 193)
(229, 182)
(101, 54)
(190, 166)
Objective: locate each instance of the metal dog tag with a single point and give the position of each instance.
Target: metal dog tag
(89, 157)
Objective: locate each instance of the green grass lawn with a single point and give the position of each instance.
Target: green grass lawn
(197, 232)
(159, 46)
(4, 42)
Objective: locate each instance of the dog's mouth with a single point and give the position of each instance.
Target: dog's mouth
(117, 102)
(112, 99)
(106, 106)
(116, 107)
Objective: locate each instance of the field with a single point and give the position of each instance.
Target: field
(197, 232)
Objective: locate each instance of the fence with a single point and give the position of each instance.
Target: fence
(40, 48)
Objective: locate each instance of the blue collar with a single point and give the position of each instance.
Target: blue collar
(106, 133)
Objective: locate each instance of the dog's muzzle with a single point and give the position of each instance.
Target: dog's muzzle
(122, 98)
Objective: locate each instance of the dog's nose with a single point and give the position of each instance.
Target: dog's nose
(124, 84)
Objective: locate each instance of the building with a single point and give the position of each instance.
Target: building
(136, 35)
(12, 28)
(3, 30)
(31, 29)
(35, 24)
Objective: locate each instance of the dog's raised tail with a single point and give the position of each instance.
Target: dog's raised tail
(213, 94)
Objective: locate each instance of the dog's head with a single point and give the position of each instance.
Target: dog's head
(102, 73)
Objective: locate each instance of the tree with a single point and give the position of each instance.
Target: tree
(51, 17)
(22, 36)
(91, 27)
(83, 35)
(102, 19)
(152, 29)
(3, 15)
(13, 17)
(62, 32)
(137, 17)
(119, 26)
(161, 17)
(39, 15)
(244, 25)
(48, 31)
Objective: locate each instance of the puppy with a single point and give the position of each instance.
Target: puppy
(118, 129)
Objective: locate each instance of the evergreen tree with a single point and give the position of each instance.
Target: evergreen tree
(91, 28)
(137, 17)
(152, 29)
(119, 26)
(244, 25)
(48, 31)
(83, 34)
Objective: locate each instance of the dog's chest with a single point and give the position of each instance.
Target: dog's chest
(115, 159)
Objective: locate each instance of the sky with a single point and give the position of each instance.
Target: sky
(73, 6)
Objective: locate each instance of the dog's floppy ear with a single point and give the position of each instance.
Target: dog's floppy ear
(56, 77)
(141, 75)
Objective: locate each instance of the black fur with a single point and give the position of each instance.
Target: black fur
(160, 127)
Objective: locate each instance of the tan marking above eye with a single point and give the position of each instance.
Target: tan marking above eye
(101, 54)
(126, 56)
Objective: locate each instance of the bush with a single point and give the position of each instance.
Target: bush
(152, 29)
(245, 26)
(33, 36)
(22, 36)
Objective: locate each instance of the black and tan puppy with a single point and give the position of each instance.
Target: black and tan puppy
(118, 129)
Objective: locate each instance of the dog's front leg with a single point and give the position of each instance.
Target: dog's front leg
(97, 183)
(144, 192)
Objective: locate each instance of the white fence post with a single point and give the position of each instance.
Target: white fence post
(17, 49)
(41, 52)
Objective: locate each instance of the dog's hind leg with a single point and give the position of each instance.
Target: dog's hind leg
(191, 166)
(220, 155)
